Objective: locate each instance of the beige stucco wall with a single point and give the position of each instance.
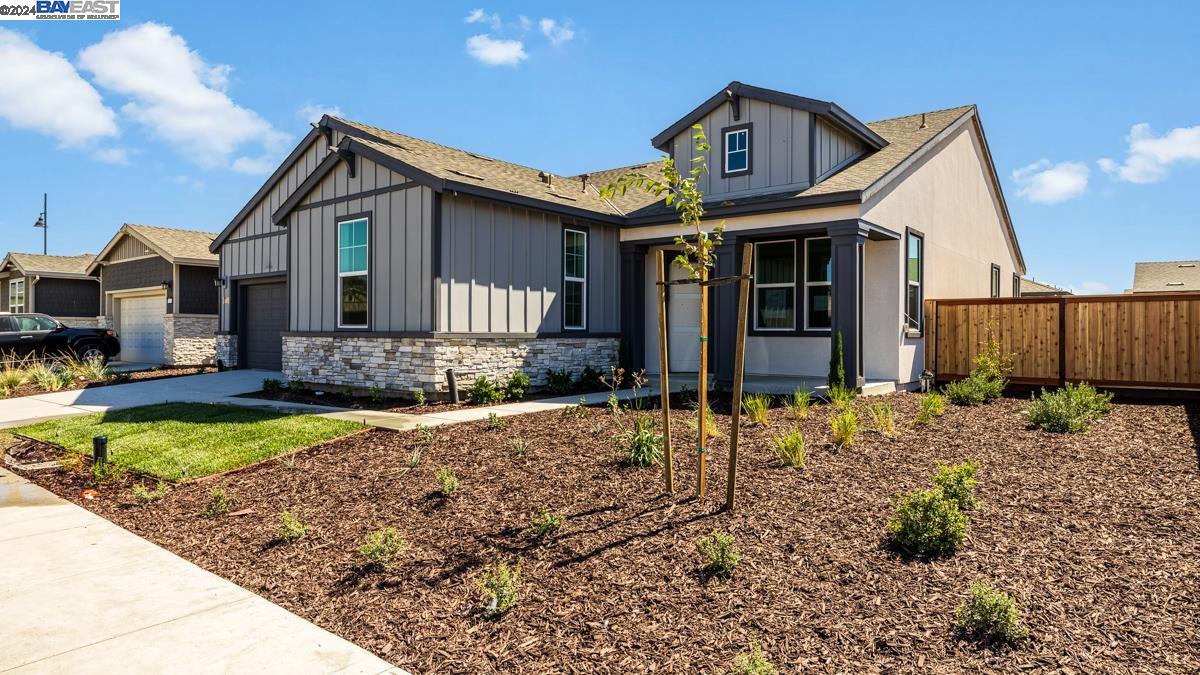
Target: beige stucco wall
(949, 197)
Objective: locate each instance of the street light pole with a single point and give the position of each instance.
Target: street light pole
(41, 222)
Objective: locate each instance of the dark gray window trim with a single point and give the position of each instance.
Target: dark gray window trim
(801, 275)
(337, 285)
(562, 275)
(1016, 279)
(920, 331)
(447, 334)
(748, 127)
(994, 280)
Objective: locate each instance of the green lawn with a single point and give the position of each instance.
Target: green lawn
(178, 441)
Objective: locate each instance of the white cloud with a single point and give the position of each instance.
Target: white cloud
(176, 94)
(111, 156)
(1046, 183)
(557, 33)
(524, 23)
(256, 166)
(496, 52)
(480, 16)
(1150, 156)
(312, 112)
(41, 91)
(1089, 288)
(194, 184)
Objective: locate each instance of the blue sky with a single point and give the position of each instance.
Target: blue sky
(174, 115)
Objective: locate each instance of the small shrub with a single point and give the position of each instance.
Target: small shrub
(589, 380)
(578, 410)
(376, 393)
(424, 434)
(545, 523)
(519, 447)
(219, 503)
(883, 418)
(291, 527)
(418, 396)
(990, 615)
(560, 381)
(845, 428)
(641, 446)
(932, 405)
(973, 390)
(271, 386)
(837, 363)
(753, 662)
(144, 495)
(1068, 410)
(297, 387)
(484, 392)
(72, 462)
(516, 386)
(381, 548)
(500, 587)
(447, 481)
(927, 524)
(720, 554)
(106, 473)
(991, 362)
(496, 422)
(800, 403)
(789, 448)
(841, 396)
(957, 483)
(756, 406)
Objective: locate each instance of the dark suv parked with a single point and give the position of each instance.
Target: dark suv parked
(37, 335)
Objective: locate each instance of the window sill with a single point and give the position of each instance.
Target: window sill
(914, 334)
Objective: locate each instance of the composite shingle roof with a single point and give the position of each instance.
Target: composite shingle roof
(35, 263)
(1031, 287)
(175, 243)
(1178, 275)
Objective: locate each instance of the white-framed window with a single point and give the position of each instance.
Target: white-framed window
(574, 280)
(16, 296)
(995, 280)
(353, 272)
(737, 150)
(818, 283)
(775, 285)
(914, 270)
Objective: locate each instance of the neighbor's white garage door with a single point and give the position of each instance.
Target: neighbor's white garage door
(140, 328)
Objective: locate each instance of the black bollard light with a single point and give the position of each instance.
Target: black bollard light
(452, 382)
(100, 449)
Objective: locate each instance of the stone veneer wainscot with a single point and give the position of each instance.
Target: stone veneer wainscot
(189, 340)
(404, 364)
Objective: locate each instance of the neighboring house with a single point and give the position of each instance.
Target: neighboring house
(1033, 289)
(370, 258)
(58, 285)
(1166, 277)
(160, 294)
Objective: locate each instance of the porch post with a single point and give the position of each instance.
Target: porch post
(724, 313)
(848, 241)
(633, 304)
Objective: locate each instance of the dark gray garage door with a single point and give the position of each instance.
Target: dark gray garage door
(263, 319)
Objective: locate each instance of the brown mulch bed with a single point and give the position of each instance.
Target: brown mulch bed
(388, 404)
(1097, 535)
(30, 389)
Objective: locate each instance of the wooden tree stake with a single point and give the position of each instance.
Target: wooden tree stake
(739, 371)
(702, 388)
(663, 367)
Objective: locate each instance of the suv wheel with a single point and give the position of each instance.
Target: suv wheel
(91, 352)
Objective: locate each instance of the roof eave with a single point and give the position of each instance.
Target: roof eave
(844, 198)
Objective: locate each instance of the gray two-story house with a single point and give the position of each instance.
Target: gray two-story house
(370, 258)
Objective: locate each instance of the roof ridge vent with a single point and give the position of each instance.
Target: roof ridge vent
(468, 175)
(1174, 283)
(1187, 264)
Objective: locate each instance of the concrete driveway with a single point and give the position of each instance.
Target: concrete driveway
(207, 388)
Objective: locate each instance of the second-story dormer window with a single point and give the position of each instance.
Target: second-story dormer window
(736, 141)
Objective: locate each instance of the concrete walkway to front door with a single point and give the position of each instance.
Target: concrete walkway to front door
(81, 595)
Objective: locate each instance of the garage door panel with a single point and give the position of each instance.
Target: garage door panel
(140, 326)
(265, 321)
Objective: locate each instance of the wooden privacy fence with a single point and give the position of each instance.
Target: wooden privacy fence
(1144, 340)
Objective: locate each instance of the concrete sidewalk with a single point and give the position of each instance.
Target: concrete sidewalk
(81, 595)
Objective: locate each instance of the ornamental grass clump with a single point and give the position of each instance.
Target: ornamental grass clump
(720, 554)
(380, 548)
(641, 446)
(753, 662)
(12, 375)
(291, 527)
(789, 448)
(447, 481)
(91, 370)
(710, 423)
(499, 588)
(927, 524)
(932, 406)
(800, 403)
(845, 428)
(756, 406)
(957, 483)
(883, 418)
(841, 396)
(1068, 410)
(990, 615)
(49, 377)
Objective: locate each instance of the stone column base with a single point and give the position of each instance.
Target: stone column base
(189, 340)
